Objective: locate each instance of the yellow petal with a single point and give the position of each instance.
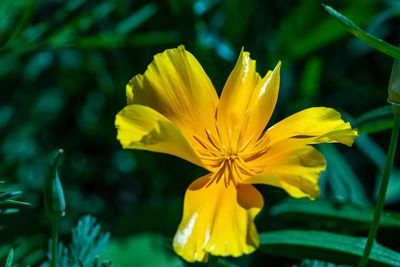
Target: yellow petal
(176, 86)
(236, 95)
(247, 101)
(292, 166)
(218, 220)
(313, 125)
(263, 101)
(140, 127)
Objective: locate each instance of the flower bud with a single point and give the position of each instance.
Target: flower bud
(54, 200)
(394, 84)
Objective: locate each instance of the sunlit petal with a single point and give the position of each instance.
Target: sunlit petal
(236, 95)
(314, 125)
(176, 86)
(218, 219)
(141, 127)
(293, 166)
(263, 101)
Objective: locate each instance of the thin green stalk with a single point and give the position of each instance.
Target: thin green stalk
(383, 187)
(54, 242)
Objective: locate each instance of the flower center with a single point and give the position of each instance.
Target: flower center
(230, 161)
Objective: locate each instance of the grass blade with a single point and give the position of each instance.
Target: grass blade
(371, 40)
(341, 171)
(10, 258)
(332, 213)
(326, 246)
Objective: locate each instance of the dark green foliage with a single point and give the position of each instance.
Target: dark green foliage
(87, 244)
(10, 258)
(325, 246)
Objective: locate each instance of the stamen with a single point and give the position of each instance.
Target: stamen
(231, 159)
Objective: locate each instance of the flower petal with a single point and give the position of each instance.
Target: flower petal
(292, 166)
(247, 101)
(218, 220)
(263, 101)
(140, 127)
(176, 86)
(313, 125)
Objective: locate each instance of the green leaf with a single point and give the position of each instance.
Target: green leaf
(371, 40)
(376, 126)
(325, 246)
(378, 157)
(332, 213)
(215, 261)
(10, 258)
(144, 250)
(310, 33)
(6, 196)
(136, 19)
(375, 120)
(110, 40)
(343, 180)
(15, 202)
(377, 114)
(311, 78)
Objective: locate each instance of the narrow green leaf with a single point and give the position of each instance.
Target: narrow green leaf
(136, 19)
(371, 40)
(311, 78)
(215, 261)
(377, 114)
(27, 11)
(112, 40)
(332, 213)
(16, 202)
(313, 34)
(377, 156)
(375, 120)
(326, 246)
(10, 195)
(376, 126)
(350, 187)
(10, 258)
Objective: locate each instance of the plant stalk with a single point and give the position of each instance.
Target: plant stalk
(383, 186)
(54, 242)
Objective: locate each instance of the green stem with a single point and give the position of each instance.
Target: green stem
(54, 242)
(383, 187)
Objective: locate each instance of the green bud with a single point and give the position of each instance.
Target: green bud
(394, 84)
(54, 200)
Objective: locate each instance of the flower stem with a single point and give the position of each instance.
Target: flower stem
(54, 242)
(383, 186)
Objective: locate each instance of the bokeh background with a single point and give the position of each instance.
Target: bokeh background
(63, 70)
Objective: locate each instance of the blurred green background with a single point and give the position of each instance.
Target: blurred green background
(63, 70)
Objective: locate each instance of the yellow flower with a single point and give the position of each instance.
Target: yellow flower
(173, 108)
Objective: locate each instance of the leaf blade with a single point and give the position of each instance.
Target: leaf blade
(348, 216)
(371, 40)
(326, 246)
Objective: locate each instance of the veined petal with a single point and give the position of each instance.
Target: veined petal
(218, 220)
(140, 127)
(176, 86)
(263, 101)
(292, 166)
(236, 95)
(247, 101)
(314, 125)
